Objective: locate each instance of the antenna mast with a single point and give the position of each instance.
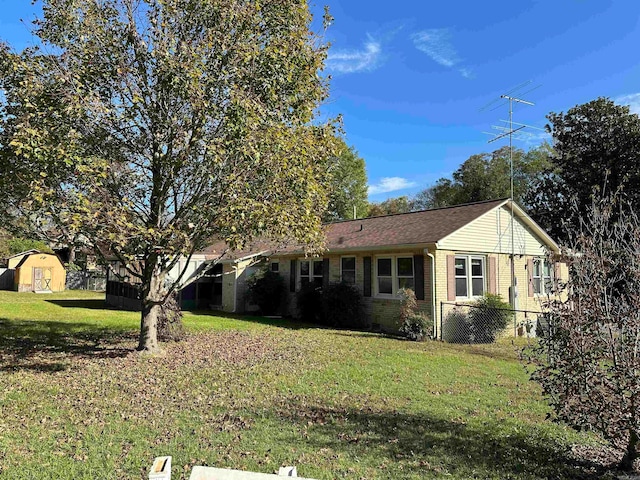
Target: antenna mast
(509, 132)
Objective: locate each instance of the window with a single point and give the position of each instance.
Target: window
(384, 276)
(405, 272)
(393, 273)
(275, 266)
(470, 276)
(348, 270)
(542, 277)
(311, 272)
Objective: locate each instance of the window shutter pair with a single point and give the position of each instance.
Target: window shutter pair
(418, 276)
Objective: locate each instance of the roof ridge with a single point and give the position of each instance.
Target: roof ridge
(419, 211)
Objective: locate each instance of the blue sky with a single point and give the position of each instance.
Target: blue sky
(410, 76)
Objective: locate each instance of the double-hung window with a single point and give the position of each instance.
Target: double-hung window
(542, 277)
(311, 272)
(404, 272)
(348, 270)
(392, 274)
(470, 276)
(384, 276)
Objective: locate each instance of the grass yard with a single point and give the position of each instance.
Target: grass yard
(77, 403)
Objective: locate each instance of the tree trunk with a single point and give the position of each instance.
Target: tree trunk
(149, 328)
(626, 464)
(152, 297)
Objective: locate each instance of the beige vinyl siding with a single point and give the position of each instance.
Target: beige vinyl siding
(491, 233)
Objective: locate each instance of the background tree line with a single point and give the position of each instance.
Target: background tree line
(595, 148)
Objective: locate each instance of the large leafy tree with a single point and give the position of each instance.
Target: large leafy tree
(153, 126)
(596, 147)
(348, 185)
(486, 176)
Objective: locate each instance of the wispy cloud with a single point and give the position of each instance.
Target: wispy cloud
(436, 43)
(351, 61)
(632, 101)
(390, 184)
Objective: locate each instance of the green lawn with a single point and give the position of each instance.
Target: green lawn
(76, 402)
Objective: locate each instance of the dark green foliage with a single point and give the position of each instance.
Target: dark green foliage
(337, 305)
(348, 186)
(18, 245)
(414, 324)
(489, 316)
(596, 147)
(479, 322)
(342, 306)
(309, 304)
(486, 176)
(417, 326)
(266, 289)
(456, 328)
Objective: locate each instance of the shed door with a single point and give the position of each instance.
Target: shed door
(41, 279)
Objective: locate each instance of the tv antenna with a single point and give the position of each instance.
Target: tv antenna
(511, 98)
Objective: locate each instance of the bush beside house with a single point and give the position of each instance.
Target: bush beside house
(479, 322)
(414, 324)
(266, 289)
(336, 305)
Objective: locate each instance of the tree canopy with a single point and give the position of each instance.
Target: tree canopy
(596, 147)
(348, 185)
(153, 126)
(486, 176)
(390, 206)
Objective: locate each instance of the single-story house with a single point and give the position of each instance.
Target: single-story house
(213, 279)
(36, 271)
(452, 254)
(446, 255)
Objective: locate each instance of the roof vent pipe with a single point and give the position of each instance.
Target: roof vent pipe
(361, 228)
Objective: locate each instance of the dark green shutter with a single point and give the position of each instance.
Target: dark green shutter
(325, 272)
(418, 276)
(292, 276)
(366, 288)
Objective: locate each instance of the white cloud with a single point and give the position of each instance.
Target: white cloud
(351, 61)
(390, 184)
(632, 101)
(466, 72)
(436, 43)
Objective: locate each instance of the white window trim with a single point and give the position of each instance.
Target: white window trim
(470, 277)
(543, 286)
(394, 275)
(311, 275)
(355, 267)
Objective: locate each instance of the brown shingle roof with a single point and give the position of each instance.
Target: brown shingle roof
(425, 226)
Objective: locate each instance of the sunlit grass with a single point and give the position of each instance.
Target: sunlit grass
(251, 393)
